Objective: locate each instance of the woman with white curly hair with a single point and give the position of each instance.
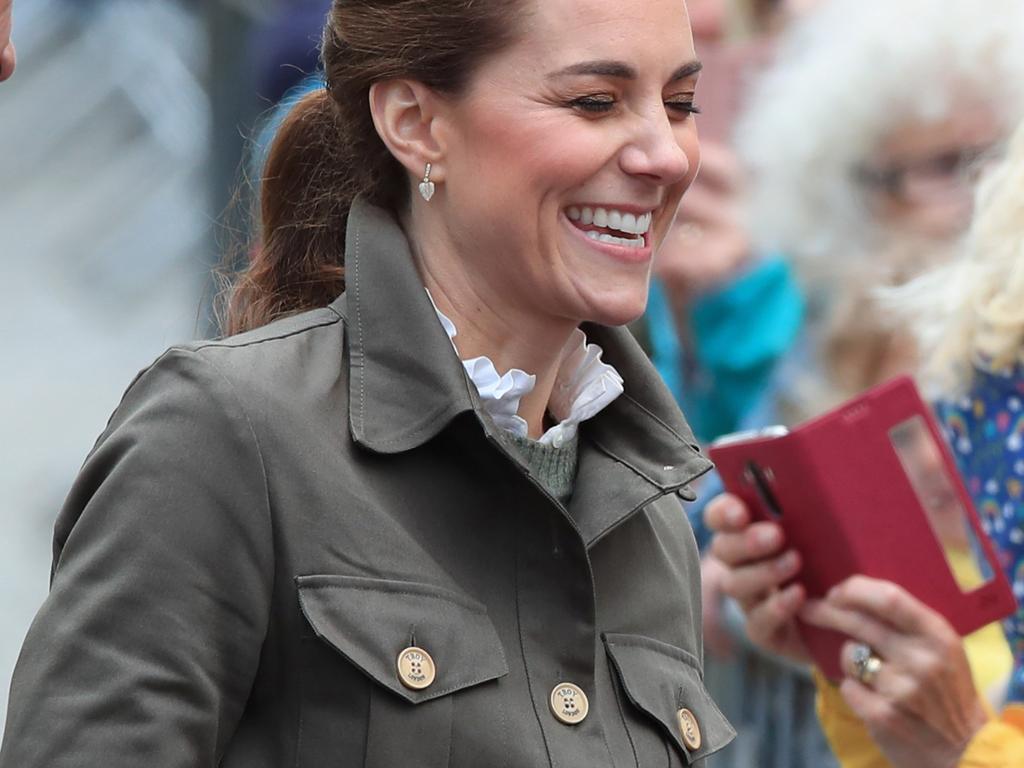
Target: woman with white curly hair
(863, 143)
(906, 682)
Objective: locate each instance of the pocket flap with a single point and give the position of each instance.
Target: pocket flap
(662, 681)
(371, 621)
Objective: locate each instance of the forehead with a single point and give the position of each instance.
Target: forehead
(977, 126)
(637, 31)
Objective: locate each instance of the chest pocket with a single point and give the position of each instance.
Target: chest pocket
(664, 688)
(419, 644)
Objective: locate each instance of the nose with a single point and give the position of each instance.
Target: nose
(656, 152)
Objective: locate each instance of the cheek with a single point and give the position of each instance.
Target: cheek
(939, 219)
(533, 152)
(498, 139)
(689, 140)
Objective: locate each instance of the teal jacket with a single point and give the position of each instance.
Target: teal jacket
(738, 334)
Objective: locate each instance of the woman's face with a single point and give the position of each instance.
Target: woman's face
(567, 157)
(927, 171)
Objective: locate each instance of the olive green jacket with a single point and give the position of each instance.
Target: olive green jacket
(270, 520)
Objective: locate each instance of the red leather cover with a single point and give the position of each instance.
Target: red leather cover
(848, 506)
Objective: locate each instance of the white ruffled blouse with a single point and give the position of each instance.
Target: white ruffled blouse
(584, 386)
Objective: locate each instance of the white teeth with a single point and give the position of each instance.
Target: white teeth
(637, 225)
(628, 242)
(630, 223)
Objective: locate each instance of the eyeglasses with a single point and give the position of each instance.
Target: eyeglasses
(930, 179)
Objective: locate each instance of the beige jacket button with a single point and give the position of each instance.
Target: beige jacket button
(569, 703)
(689, 729)
(416, 668)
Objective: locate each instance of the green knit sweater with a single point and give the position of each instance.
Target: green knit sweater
(554, 468)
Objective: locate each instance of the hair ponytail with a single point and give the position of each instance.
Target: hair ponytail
(327, 150)
(304, 199)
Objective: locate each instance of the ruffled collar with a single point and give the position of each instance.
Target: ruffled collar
(584, 386)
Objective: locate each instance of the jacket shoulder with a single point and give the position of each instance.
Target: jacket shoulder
(275, 356)
(277, 334)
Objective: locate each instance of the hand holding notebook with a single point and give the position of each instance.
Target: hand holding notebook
(870, 488)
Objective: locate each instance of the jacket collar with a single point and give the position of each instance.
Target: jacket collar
(406, 382)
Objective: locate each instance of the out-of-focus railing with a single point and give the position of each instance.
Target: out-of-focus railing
(104, 243)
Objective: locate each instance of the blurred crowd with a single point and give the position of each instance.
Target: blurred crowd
(828, 245)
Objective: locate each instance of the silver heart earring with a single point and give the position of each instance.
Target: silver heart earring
(427, 186)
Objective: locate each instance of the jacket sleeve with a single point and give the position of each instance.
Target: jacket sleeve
(145, 650)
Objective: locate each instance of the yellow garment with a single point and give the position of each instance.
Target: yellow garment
(987, 650)
(1000, 744)
(846, 733)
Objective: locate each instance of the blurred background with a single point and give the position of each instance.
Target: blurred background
(842, 141)
(121, 135)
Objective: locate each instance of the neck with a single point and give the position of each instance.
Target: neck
(490, 324)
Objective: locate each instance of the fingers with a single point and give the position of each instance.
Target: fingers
(872, 708)
(856, 624)
(890, 682)
(771, 618)
(894, 683)
(727, 513)
(752, 553)
(758, 542)
(918, 648)
(749, 584)
(890, 603)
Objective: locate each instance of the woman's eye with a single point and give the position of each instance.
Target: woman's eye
(595, 104)
(685, 106)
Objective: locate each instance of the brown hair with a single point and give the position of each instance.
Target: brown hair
(327, 151)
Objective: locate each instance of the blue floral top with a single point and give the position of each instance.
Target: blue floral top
(986, 432)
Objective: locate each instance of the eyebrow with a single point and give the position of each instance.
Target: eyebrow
(622, 70)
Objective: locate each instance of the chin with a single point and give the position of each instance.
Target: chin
(616, 309)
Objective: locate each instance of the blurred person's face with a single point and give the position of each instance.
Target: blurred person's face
(568, 156)
(776, 15)
(922, 460)
(794, 8)
(707, 19)
(922, 178)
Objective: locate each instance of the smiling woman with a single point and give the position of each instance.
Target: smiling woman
(422, 508)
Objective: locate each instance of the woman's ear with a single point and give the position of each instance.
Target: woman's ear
(406, 115)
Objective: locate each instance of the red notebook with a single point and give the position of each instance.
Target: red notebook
(870, 488)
